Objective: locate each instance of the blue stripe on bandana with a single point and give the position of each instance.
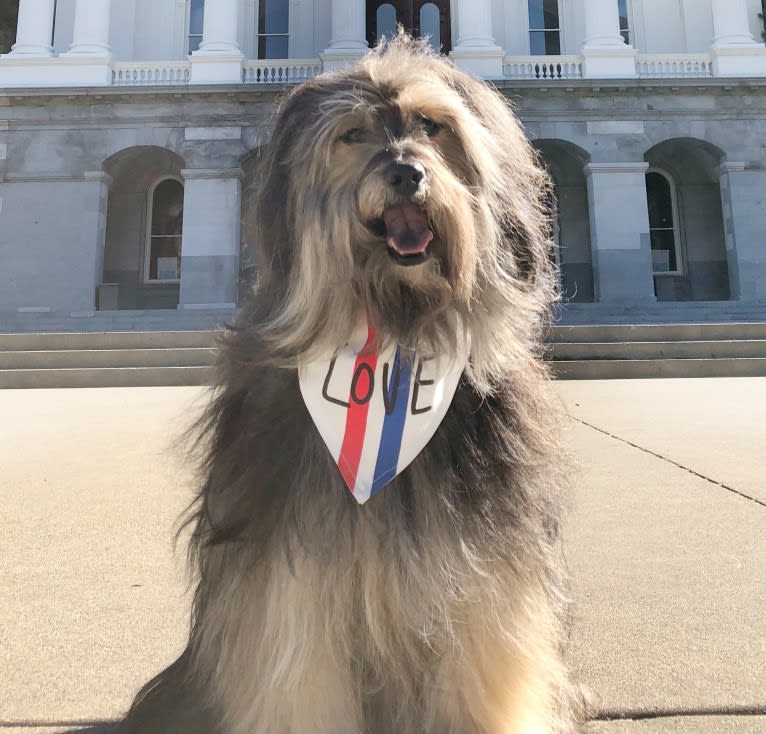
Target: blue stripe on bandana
(393, 424)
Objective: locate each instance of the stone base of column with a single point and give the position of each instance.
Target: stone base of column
(485, 62)
(334, 59)
(614, 279)
(211, 238)
(619, 226)
(743, 61)
(28, 50)
(61, 71)
(742, 206)
(601, 63)
(216, 69)
(208, 281)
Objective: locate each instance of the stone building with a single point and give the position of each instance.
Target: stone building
(129, 132)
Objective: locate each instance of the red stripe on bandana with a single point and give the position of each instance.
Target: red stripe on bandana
(356, 416)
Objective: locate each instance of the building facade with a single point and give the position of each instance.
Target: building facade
(130, 129)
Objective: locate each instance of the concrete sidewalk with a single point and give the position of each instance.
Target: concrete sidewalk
(666, 544)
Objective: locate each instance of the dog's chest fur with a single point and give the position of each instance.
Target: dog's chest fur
(471, 467)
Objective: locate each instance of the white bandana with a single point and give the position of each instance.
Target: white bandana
(376, 411)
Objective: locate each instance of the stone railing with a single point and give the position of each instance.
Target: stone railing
(153, 73)
(674, 66)
(280, 71)
(543, 68)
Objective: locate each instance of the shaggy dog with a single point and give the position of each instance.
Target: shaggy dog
(400, 197)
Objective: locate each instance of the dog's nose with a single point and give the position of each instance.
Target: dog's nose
(405, 178)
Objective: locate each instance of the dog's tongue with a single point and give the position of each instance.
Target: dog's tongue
(407, 230)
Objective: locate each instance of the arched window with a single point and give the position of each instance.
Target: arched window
(9, 17)
(195, 24)
(663, 223)
(385, 21)
(273, 29)
(430, 26)
(622, 7)
(419, 17)
(164, 228)
(544, 28)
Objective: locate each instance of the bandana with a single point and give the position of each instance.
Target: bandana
(376, 409)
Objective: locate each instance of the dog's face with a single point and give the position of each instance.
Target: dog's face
(401, 191)
(401, 164)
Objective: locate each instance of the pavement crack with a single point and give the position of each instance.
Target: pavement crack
(715, 482)
(644, 714)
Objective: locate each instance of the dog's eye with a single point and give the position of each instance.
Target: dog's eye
(430, 127)
(354, 135)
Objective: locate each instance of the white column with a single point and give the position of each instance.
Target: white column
(602, 24)
(219, 57)
(619, 228)
(34, 29)
(348, 42)
(735, 51)
(476, 51)
(475, 24)
(605, 53)
(211, 242)
(87, 63)
(91, 29)
(730, 23)
(220, 28)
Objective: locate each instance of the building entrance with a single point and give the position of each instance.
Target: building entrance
(419, 17)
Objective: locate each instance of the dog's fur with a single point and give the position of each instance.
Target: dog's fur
(437, 607)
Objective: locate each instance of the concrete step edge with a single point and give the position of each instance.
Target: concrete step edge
(605, 333)
(105, 377)
(728, 349)
(50, 341)
(107, 358)
(668, 368)
(661, 359)
(660, 343)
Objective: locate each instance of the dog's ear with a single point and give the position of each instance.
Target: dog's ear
(514, 185)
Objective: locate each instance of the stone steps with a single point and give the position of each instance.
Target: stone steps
(689, 312)
(185, 357)
(609, 351)
(106, 359)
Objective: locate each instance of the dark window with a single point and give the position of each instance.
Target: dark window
(419, 17)
(165, 228)
(273, 28)
(662, 225)
(9, 16)
(196, 17)
(624, 22)
(544, 28)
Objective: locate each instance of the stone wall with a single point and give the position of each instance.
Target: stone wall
(56, 147)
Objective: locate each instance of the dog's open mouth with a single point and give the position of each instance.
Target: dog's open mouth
(407, 233)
